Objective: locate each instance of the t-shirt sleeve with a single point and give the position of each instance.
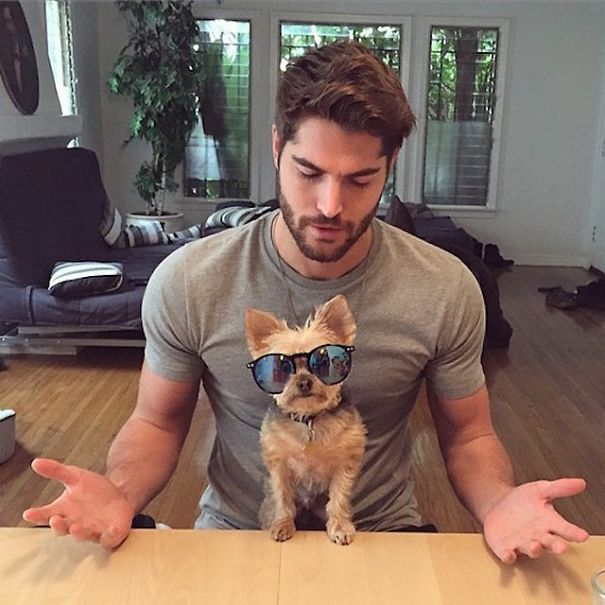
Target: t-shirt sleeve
(456, 370)
(171, 350)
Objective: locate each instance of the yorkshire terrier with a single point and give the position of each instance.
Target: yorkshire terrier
(312, 440)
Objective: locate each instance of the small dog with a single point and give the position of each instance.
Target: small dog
(312, 441)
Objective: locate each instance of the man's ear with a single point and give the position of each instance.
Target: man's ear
(394, 157)
(275, 145)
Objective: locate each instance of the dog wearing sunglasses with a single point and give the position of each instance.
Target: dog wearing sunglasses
(312, 440)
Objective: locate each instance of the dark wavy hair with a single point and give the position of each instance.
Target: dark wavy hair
(346, 83)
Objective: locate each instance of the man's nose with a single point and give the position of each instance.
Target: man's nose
(331, 198)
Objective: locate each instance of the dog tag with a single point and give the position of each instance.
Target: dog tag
(310, 431)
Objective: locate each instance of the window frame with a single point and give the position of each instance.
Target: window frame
(67, 67)
(415, 48)
(254, 18)
(185, 184)
(422, 53)
(277, 17)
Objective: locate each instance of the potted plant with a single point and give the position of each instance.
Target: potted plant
(161, 70)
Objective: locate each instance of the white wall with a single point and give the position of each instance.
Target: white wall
(551, 113)
(86, 65)
(119, 164)
(553, 101)
(596, 218)
(45, 127)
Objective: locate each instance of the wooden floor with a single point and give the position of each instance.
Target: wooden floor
(547, 391)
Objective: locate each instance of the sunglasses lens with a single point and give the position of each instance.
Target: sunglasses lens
(330, 363)
(271, 373)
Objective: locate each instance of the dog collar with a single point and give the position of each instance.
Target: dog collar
(307, 419)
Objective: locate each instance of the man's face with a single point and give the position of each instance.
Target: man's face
(330, 184)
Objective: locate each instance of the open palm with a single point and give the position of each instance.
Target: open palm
(526, 522)
(90, 508)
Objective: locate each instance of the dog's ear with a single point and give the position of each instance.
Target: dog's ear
(260, 325)
(336, 316)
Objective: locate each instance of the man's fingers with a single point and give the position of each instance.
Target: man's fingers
(82, 534)
(554, 544)
(39, 515)
(507, 556)
(533, 550)
(562, 488)
(570, 532)
(52, 469)
(59, 525)
(112, 537)
(70, 513)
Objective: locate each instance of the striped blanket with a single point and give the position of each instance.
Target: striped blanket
(118, 234)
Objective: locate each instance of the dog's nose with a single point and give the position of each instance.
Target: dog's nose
(304, 384)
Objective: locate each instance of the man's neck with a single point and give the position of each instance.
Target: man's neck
(290, 253)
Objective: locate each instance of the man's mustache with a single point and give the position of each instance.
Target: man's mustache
(321, 220)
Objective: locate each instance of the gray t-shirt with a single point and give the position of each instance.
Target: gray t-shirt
(419, 315)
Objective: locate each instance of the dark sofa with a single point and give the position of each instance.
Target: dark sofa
(52, 204)
(51, 207)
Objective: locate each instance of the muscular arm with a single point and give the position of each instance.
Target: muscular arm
(140, 462)
(477, 464)
(145, 452)
(516, 519)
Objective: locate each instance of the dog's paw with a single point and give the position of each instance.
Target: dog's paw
(282, 530)
(340, 532)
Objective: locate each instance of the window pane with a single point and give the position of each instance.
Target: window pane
(60, 53)
(460, 113)
(217, 157)
(384, 40)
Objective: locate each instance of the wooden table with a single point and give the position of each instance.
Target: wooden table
(246, 567)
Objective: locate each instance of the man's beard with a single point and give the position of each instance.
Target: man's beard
(354, 232)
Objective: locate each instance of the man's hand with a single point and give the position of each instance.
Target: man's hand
(91, 507)
(526, 522)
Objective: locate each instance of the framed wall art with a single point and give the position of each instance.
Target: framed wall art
(18, 66)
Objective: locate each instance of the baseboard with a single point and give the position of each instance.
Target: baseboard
(549, 260)
(37, 349)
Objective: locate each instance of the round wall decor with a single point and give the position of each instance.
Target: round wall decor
(17, 58)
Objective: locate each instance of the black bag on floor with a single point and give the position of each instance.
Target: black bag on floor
(498, 330)
(592, 295)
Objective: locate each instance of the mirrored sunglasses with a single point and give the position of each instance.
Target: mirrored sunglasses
(330, 363)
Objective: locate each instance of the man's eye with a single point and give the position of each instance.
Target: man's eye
(309, 175)
(360, 184)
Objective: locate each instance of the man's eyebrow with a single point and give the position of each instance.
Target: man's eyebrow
(311, 166)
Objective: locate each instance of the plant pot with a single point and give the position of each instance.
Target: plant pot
(170, 221)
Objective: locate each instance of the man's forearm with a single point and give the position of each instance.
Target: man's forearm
(481, 474)
(141, 460)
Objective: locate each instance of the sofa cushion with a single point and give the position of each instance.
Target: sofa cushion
(84, 278)
(234, 216)
(51, 206)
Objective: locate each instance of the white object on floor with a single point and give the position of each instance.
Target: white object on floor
(7, 434)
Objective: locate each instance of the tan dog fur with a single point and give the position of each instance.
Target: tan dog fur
(306, 467)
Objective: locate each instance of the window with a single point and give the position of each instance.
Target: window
(60, 53)
(461, 97)
(217, 158)
(451, 159)
(384, 40)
